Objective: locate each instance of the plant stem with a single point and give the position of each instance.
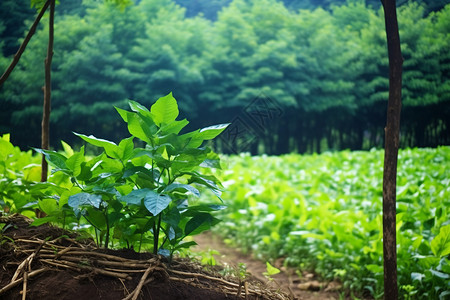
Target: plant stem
(107, 228)
(95, 227)
(155, 240)
(140, 241)
(156, 234)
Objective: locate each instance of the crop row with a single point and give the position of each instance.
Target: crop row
(324, 213)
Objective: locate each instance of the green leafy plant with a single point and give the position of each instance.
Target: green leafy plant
(18, 172)
(322, 214)
(140, 194)
(270, 271)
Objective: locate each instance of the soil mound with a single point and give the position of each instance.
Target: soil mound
(46, 262)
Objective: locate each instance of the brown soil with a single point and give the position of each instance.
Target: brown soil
(48, 263)
(306, 287)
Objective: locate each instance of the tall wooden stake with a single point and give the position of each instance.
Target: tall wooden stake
(45, 138)
(391, 150)
(24, 44)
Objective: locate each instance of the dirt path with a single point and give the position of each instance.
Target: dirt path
(305, 288)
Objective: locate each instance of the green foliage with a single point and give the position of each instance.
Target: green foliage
(325, 67)
(323, 213)
(18, 171)
(134, 194)
(271, 270)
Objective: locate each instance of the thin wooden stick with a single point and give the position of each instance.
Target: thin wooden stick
(239, 289)
(128, 297)
(57, 264)
(14, 283)
(22, 266)
(24, 44)
(246, 289)
(24, 289)
(141, 283)
(127, 270)
(63, 251)
(204, 276)
(69, 264)
(125, 289)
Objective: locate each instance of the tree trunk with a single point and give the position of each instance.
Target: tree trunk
(47, 93)
(391, 150)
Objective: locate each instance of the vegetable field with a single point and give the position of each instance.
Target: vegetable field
(318, 213)
(324, 213)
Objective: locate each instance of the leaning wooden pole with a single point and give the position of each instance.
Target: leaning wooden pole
(24, 44)
(391, 150)
(45, 138)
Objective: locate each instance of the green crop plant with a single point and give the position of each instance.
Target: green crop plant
(18, 172)
(140, 190)
(323, 213)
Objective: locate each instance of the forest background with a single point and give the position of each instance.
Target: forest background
(291, 76)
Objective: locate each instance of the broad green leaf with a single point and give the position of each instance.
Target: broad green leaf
(67, 149)
(172, 217)
(271, 270)
(136, 196)
(6, 137)
(137, 107)
(199, 223)
(374, 268)
(32, 172)
(211, 163)
(156, 203)
(417, 276)
(44, 220)
(126, 147)
(141, 128)
(85, 199)
(75, 162)
(444, 295)
(131, 171)
(185, 245)
(308, 234)
(55, 159)
(123, 113)
(440, 245)
(196, 138)
(186, 162)
(211, 132)
(96, 217)
(174, 127)
(427, 262)
(183, 187)
(49, 206)
(440, 274)
(194, 210)
(165, 110)
(111, 148)
(207, 180)
(6, 147)
(171, 143)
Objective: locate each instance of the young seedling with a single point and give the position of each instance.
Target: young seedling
(134, 194)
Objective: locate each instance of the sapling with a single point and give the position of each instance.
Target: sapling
(130, 194)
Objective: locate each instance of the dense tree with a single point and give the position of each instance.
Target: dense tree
(322, 73)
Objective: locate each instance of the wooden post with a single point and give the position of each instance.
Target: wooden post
(45, 138)
(391, 150)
